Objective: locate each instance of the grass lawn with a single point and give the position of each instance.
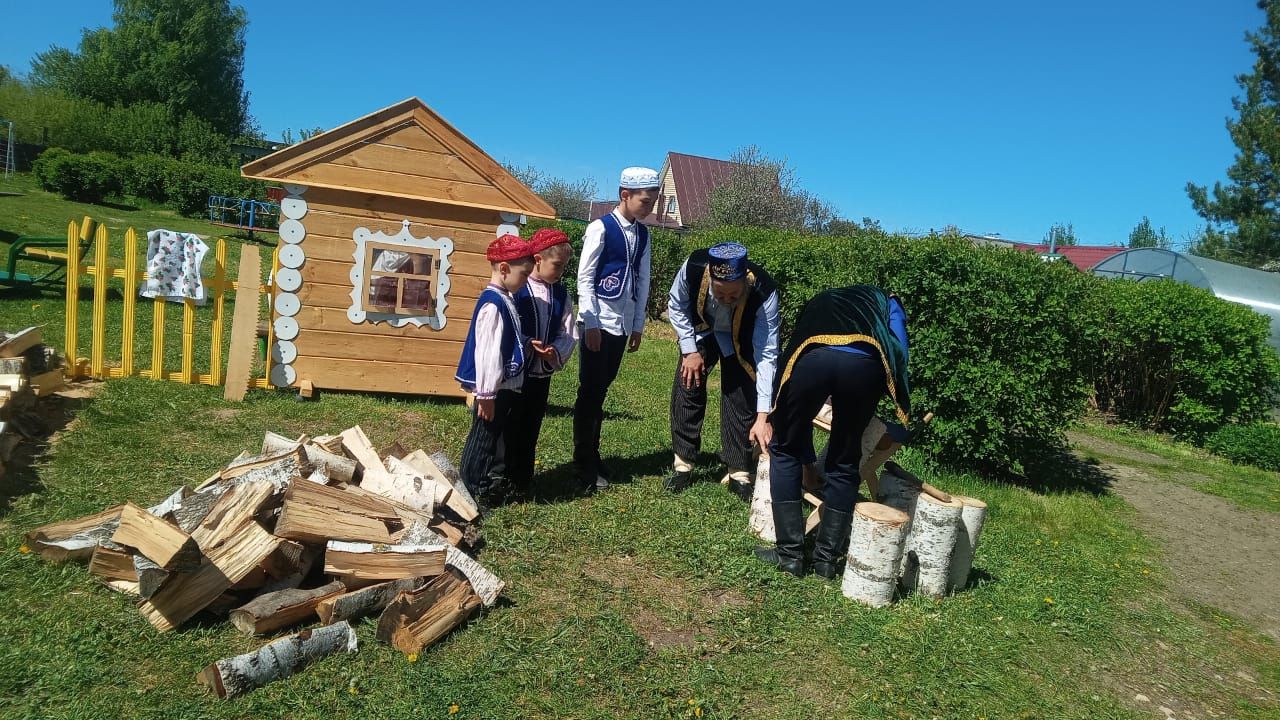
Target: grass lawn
(633, 603)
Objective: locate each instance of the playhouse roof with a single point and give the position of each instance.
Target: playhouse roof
(404, 150)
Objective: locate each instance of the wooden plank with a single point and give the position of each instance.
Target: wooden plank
(219, 301)
(463, 290)
(336, 320)
(433, 351)
(97, 351)
(164, 544)
(278, 164)
(371, 376)
(412, 137)
(419, 163)
(396, 210)
(244, 324)
(327, 174)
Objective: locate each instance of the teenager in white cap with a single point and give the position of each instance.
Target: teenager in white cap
(724, 309)
(613, 289)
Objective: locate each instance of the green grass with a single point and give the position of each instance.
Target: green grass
(1168, 459)
(633, 603)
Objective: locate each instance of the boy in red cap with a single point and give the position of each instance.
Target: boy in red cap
(492, 366)
(547, 316)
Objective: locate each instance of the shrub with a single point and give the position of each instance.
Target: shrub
(1174, 358)
(84, 178)
(1255, 444)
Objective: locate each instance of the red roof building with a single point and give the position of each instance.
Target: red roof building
(1084, 257)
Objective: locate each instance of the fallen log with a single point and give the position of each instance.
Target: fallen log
(362, 602)
(271, 611)
(74, 539)
(162, 543)
(368, 561)
(875, 548)
(972, 517)
(277, 660)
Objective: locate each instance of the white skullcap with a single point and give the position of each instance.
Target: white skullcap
(638, 178)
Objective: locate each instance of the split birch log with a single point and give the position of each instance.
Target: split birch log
(875, 548)
(164, 544)
(112, 562)
(349, 499)
(277, 470)
(332, 443)
(277, 660)
(195, 508)
(151, 577)
(368, 561)
(357, 446)
(930, 543)
(166, 508)
(460, 503)
(761, 521)
(271, 611)
(74, 539)
(972, 517)
(317, 524)
(485, 584)
(362, 602)
(415, 620)
(337, 467)
(440, 460)
(406, 485)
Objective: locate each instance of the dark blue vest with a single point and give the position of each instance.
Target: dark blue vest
(615, 269)
(512, 343)
(529, 318)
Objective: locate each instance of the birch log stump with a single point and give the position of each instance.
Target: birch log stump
(875, 547)
(276, 661)
(972, 517)
(761, 522)
(930, 544)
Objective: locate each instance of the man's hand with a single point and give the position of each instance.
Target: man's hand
(761, 432)
(634, 344)
(542, 350)
(592, 339)
(485, 408)
(692, 368)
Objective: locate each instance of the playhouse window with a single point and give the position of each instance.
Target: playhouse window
(400, 281)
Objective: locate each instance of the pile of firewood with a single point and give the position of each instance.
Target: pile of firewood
(323, 528)
(28, 370)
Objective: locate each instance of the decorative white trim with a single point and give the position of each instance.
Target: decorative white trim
(286, 328)
(509, 217)
(283, 376)
(292, 256)
(287, 304)
(288, 279)
(507, 229)
(293, 208)
(292, 232)
(283, 352)
(295, 189)
(357, 314)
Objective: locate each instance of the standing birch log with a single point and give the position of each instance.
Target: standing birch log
(930, 544)
(972, 517)
(875, 547)
(277, 660)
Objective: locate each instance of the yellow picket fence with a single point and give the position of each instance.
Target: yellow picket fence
(97, 364)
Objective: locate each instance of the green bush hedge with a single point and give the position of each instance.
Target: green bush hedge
(1256, 444)
(182, 185)
(1174, 358)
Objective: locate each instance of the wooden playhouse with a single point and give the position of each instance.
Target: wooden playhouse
(382, 239)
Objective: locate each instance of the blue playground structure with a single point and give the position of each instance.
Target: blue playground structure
(243, 214)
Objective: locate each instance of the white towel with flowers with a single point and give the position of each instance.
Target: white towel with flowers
(173, 266)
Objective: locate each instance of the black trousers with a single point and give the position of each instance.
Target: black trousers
(855, 384)
(737, 409)
(521, 436)
(483, 469)
(596, 372)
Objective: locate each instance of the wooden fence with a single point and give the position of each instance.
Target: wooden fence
(97, 364)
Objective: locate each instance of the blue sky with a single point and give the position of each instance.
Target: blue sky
(1000, 116)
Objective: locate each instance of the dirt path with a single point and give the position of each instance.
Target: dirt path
(1219, 553)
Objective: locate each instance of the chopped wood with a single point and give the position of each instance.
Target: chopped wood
(332, 443)
(295, 579)
(151, 577)
(345, 498)
(369, 561)
(112, 562)
(487, 585)
(47, 383)
(13, 381)
(362, 602)
(277, 660)
(415, 620)
(272, 611)
(74, 539)
(287, 560)
(166, 507)
(278, 468)
(164, 544)
(317, 524)
(13, 366)
(460, 504)
(122, 586)
(336, 466)
(356, 444)
(277, 443)
(451, 474)
(394, 450)
(194, 508)
(20, 342)
(404, 484)
(235, 509)
(406, 515)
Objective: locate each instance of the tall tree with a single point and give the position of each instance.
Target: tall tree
(761, 191)
(1145, 236)
(187, 55)
(1060, 235)
(570, 198)
(1246, 210)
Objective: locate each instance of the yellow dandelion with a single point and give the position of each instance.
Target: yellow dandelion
(353, 689)
(690, 701)
(1056, 543)
(1048, 601)
(1115, 565)
(24, 549)
(413, 657)
(453, 709)
(1037, 541)
(1146, 571)
(697, 712)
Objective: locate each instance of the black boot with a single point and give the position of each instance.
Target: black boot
(678, 481)
(788, 527)
(832, 544)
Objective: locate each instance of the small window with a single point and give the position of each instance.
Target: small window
(398, 281)
(672, 207)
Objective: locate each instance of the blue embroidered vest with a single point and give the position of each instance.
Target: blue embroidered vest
(529, 317)
(615, 270)
(512, 342)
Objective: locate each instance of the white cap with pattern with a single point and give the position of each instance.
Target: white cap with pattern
(638, 178)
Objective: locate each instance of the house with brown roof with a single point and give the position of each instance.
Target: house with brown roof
(685, 195)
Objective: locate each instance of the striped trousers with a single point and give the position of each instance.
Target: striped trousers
(737, 409)
(483, 466)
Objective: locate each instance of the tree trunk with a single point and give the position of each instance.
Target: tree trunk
(930, 544)
(972, 517)
(276, 661)
(875, 548)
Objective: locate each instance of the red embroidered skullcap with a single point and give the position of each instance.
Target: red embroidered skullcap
(545, 238)
(508, 247)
